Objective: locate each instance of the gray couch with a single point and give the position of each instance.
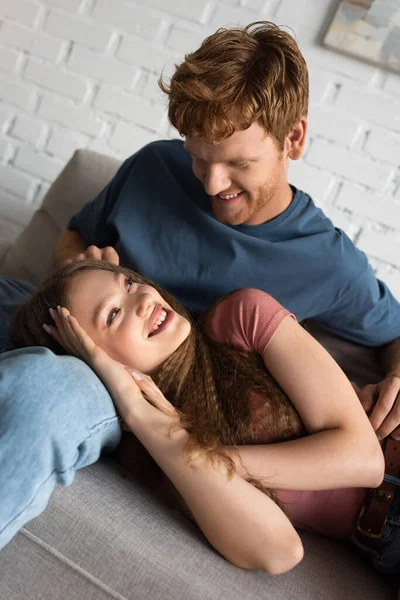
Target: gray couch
(108, 537)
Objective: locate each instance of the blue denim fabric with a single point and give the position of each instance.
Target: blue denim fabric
(13, 292)
(55, 417)
(385, 554)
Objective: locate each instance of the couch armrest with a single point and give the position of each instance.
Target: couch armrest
(83, 177)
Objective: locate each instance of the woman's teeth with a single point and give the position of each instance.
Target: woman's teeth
(229, 197)
(160, 320)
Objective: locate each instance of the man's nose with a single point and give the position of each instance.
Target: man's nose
(216, 180)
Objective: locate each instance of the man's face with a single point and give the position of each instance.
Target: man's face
(244, 175)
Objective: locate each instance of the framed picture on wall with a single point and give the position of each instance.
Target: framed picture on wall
(367, 29)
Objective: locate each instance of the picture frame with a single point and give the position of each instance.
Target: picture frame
(369, 30)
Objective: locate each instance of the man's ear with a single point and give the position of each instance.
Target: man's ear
(295, 141)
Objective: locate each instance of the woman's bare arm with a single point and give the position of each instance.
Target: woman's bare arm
(242, 523)
(342, 449)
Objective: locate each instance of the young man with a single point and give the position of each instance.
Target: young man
(217, 212)
(205, 217)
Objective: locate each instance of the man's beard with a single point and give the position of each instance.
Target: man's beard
(248, 206)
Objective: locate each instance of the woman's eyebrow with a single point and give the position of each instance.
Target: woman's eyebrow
(107, 300)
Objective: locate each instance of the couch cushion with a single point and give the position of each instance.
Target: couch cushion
(13, 292)
(83, 177)
(108, 537)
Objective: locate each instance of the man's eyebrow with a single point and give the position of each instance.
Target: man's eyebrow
(237, 159)
(102, 305)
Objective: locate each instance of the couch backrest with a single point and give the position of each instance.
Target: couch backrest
(84, 176)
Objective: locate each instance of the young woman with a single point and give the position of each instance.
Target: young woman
(237, 409)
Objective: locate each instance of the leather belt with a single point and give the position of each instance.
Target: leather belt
(373, 515)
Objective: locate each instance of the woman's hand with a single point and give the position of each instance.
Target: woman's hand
(129, 389)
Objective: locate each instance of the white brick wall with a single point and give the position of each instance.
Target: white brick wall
(22, 11)
(28, 130)
(83, 74)
(55, 79)
(33, 42)
(9, 60)
(90, 35)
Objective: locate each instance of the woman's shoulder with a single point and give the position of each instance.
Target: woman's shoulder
(243, 300)
(246, 316)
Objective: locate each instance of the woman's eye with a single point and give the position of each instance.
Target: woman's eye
(129, 283)
(112, 316)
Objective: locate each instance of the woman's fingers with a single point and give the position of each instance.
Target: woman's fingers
(153, 393)
(84, 339)
(62, 337)
(64, 334)
(68, 332)
(53, 331)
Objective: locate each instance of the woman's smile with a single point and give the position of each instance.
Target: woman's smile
(122, 315)
(162, 323)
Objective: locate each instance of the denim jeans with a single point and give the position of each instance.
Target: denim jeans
(55, 417)
(385, 554)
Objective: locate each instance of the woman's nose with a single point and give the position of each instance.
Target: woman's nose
(144, 304)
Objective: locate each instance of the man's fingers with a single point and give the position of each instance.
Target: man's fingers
(75, 258)
(368, 396)
(93, 252)
(386, 415)
(107, 254)
(110, 255)
(396, 434)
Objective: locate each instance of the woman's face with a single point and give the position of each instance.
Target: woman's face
(129, 320)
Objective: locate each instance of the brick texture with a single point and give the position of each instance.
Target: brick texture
(33, 42)
(83, 74)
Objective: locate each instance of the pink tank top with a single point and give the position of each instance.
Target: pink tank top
(249, 318)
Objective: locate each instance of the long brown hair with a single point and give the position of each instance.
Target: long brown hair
(236, 77)
(212, 384)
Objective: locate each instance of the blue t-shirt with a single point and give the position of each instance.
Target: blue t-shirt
(159, 218)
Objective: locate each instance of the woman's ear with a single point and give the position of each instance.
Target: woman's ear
(295, 141)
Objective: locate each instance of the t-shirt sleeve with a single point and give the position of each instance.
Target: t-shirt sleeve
(92, 222)
(365, 312)
(248, 318)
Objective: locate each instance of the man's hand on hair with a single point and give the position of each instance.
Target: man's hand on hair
(108, 254)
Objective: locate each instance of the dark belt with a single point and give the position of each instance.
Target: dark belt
(374, 514)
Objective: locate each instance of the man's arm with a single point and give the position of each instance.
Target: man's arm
(68, 246)
(367, 313)
(71, 246)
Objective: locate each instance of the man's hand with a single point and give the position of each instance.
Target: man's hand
(71, 247)
(382, 400)
(108, 254)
